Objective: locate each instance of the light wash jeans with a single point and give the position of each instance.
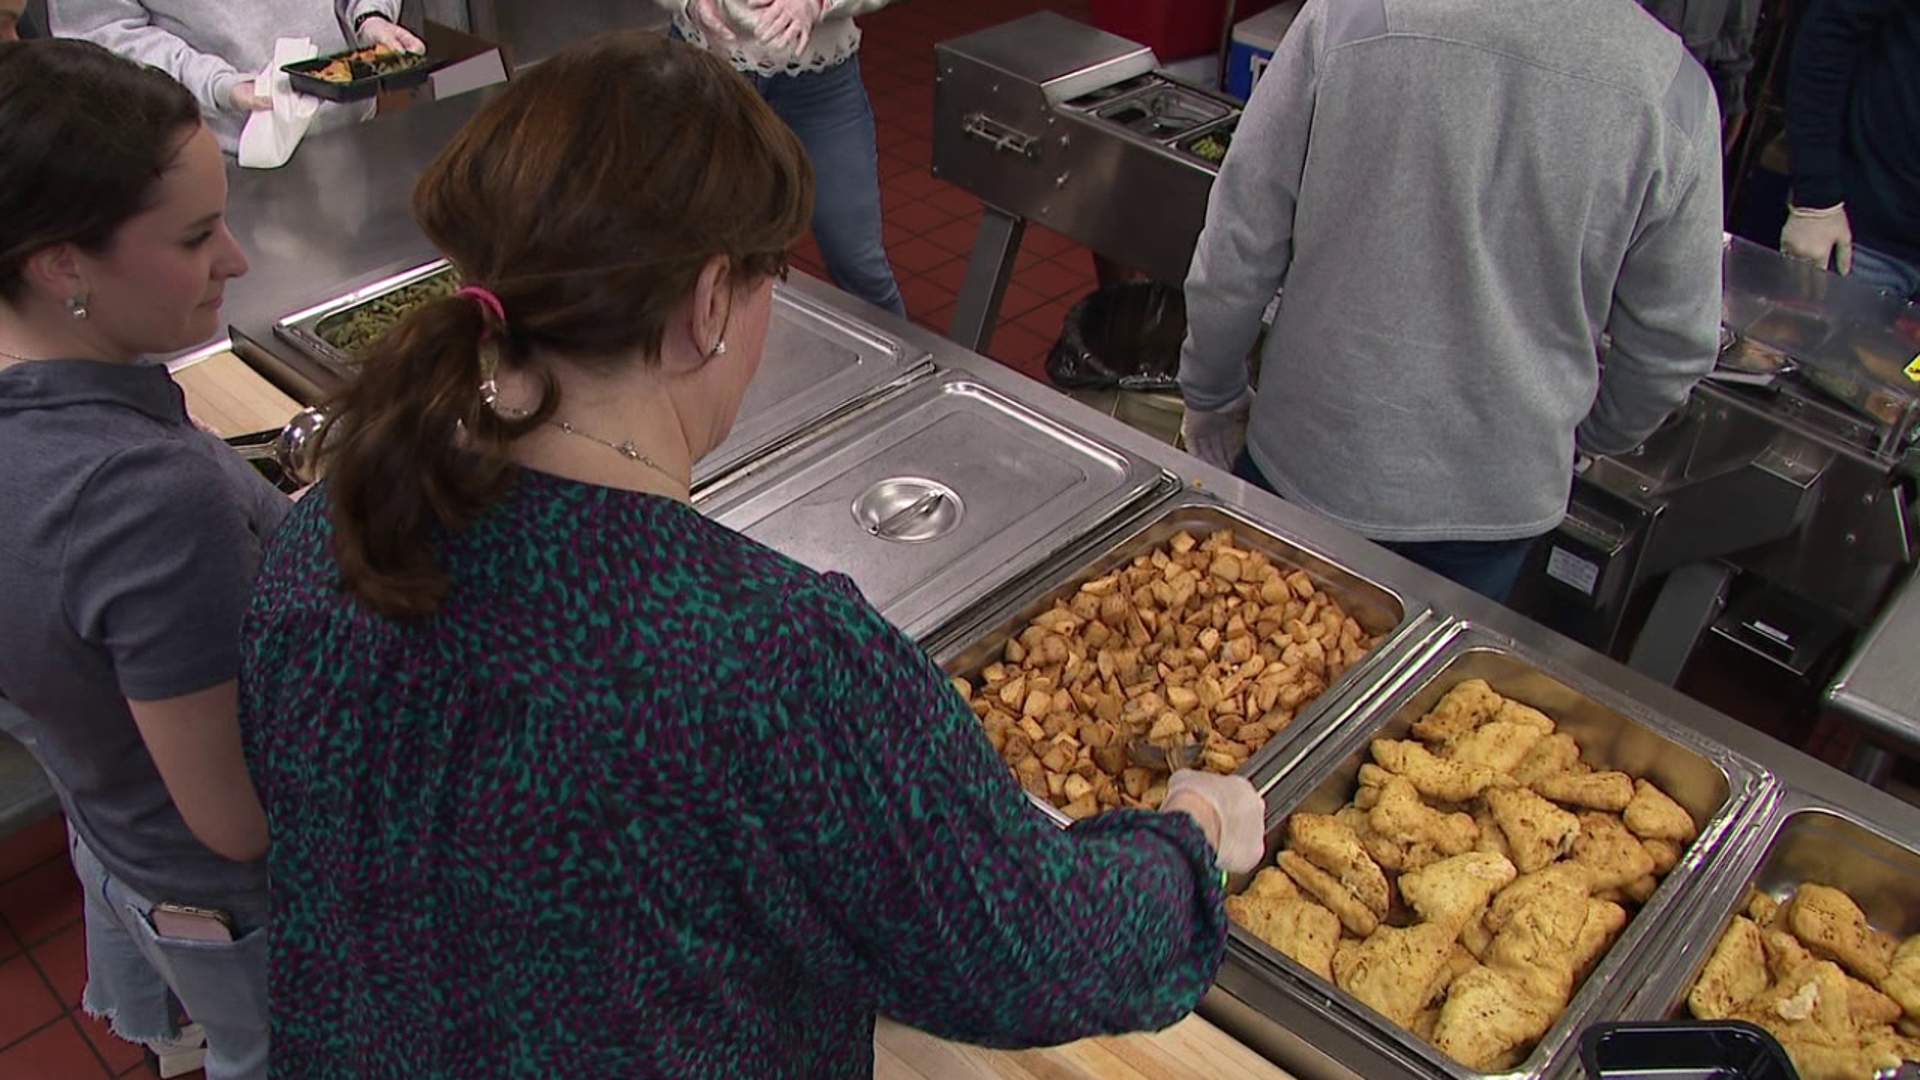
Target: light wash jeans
(1886, 273)
(830, 112)
(135, 976)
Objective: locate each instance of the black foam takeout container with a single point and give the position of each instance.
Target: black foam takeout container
(1683, 1050)
(303, 75)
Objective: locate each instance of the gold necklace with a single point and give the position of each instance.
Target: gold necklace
(624, 448)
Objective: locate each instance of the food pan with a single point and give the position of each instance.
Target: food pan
(1805, 843)
(314, 330)
(980, 636)
(1716, 786)
(408, 71)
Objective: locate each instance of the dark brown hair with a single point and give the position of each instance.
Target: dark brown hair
(84, 137)
(587, 196)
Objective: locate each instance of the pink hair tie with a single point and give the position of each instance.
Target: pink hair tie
(487, 301)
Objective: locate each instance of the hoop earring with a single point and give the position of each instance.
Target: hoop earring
(77, 306)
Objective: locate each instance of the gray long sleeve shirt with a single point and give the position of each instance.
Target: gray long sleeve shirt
(212, 45)
(1459, 197)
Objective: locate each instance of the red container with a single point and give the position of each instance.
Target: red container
(1173, 29)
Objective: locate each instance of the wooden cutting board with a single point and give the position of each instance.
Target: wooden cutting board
(223, 393)
(1190, 1050)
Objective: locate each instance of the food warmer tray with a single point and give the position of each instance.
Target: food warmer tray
(818, 365)
(1322, 1033)
(979, 636)
(1801, 839)
(937, 495)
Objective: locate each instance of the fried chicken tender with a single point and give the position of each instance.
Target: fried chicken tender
(1869, 1007)
(1394, 969)
(1334, 848)
(1664, 853)
(1536, 946)
(1764, 910)
(1497, 745)
(1324, 887)
(1295, 925)
(1604, 922)
(1488, 1016)
(1465, 707)
(1809, 1007)
(1272, 883)
(1526, 716)
(1434, 777)
(1735, 972)
(1610, 791)
(1785, 954)
(1453, 892)
(1476, 936)
(1902, 983)
(1537, 831)
(1653, 816)
(1567, 878)
(1403, 818)
(1492, 840)
(1614, 856)
(1555, 754)
(1833, 926)
(1817, 1062)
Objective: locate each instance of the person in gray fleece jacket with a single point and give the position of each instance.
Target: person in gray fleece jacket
(1460, 197)
(216, 47)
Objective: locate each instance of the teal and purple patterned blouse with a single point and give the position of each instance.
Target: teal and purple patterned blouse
(647, 799)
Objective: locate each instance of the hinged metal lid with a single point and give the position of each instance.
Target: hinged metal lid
(937, 497)
(1061, 56)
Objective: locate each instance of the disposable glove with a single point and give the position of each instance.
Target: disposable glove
(1217, 436)
(1227, 809)
(1819, 236)
(785, 26)
(380, 30)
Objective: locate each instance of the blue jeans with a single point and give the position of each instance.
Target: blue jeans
(1488, 567)
(1886, 273)
(830, 112)
(134, 975)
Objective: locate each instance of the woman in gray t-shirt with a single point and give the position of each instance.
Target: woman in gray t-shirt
(128, 539)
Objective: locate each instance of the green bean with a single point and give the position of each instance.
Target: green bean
(354, 330)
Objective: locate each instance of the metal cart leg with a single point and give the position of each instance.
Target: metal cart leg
(976, 311)
(1689, 601)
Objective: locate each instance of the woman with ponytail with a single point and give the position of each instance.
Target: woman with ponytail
(566, 780)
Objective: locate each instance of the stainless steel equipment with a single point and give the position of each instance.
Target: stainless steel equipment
(1050, 120)
(979, 636)
(949, 490)
(818, 366)
(1345, 1039)
(1778, 505)
(1880, 685)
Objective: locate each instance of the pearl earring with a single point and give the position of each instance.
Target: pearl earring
(77, 306)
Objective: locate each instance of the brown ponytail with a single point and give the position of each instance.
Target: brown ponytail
(586, 196)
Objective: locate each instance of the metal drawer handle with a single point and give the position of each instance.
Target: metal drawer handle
(918, 508)
(1005, 139)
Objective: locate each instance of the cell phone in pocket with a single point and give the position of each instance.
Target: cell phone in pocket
(191, 923)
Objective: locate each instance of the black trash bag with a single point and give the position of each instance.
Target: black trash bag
(1124, 337)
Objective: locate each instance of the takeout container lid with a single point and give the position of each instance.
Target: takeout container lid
(1684, 1050)
(301, 74)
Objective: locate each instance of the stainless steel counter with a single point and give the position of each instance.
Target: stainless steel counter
(334, 218)
(1880, 685)
(532, 32)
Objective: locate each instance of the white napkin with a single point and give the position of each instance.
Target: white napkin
(271, 134)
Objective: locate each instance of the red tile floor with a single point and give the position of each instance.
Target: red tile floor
(929, 231)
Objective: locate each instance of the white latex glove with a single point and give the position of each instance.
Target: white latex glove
(711, 17)
(1819, 236)
(1217, 436)
(248, 97)
(1227, 809)
(380, 30)
(785, 26)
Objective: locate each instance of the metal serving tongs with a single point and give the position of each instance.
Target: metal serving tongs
(293, 450)
(1170, 759)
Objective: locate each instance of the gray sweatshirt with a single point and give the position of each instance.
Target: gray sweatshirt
(1459, 197)
(210, 45)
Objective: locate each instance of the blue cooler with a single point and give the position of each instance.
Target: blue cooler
(1254, 40)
